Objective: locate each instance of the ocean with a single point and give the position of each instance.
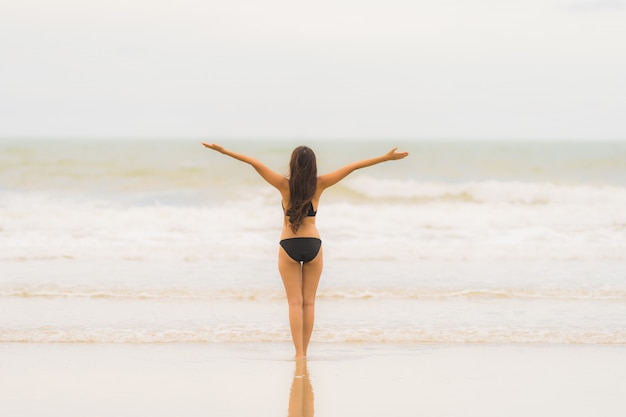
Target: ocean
(140, 241)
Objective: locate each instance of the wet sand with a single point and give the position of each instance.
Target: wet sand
(337, 379)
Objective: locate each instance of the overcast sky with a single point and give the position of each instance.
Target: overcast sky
(398, 69)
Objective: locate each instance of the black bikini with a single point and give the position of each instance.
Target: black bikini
(302, 249)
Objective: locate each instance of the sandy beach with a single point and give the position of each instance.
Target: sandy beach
(134, 281)
(262, 380)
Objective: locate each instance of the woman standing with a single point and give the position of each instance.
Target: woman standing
(300, 254)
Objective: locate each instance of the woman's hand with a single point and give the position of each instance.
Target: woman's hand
(213, 146)
(393, 155)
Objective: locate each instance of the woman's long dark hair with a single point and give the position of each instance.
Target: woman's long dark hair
(302, 185)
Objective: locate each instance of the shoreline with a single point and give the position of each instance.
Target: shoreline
(263, 379)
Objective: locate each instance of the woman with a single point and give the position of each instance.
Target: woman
(300, 253)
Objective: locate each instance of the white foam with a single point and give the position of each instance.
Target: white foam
(249, 334)
(491, 221)
(489, 191)
(160, 293)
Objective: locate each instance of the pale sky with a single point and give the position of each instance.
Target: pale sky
(398, 69)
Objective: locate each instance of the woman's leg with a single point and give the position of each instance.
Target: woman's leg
(311, 273)
(291, 274)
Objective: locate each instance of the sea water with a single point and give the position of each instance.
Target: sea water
(140, 241)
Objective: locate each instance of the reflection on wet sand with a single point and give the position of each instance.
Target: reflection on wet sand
(301, 401)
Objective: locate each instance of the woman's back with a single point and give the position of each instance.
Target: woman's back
(307, 228)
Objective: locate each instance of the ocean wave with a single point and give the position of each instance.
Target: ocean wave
(249, 334)
(393, 293)
(408, 220)
(482, 192)
(359, 189)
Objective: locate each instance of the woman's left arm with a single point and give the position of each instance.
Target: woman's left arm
(273, 178)
(332, 178)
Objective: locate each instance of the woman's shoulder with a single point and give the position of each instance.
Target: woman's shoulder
(322, 183)
(283, 185)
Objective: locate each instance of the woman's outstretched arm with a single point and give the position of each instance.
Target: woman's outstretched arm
(332, 178)
(274, 178)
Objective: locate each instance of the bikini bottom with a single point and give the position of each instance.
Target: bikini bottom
(302, 249)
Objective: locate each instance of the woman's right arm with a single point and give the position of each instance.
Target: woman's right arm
(332, 178)
(274, 178)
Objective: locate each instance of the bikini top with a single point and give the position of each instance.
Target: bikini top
(311, 213)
